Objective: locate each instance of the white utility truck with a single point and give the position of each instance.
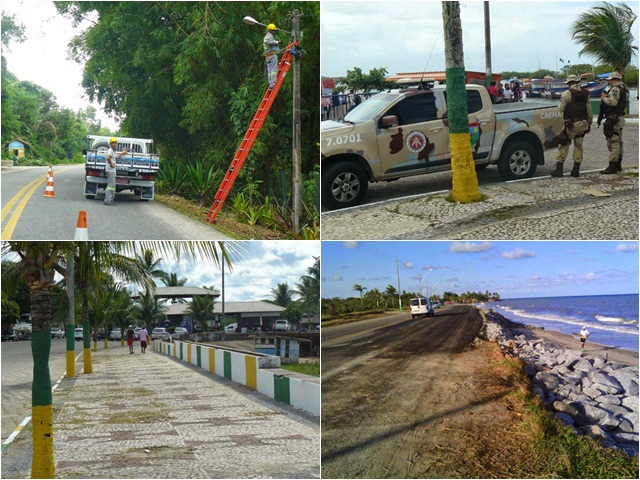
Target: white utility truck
(136, 170)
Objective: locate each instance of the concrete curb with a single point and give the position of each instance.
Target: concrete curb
(254, 370)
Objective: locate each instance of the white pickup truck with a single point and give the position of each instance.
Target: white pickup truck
(402, 133)
(135, 170)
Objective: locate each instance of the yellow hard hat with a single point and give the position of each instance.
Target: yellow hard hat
(271, 26)
(113, 139)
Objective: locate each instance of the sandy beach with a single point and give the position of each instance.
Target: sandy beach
(626, 357)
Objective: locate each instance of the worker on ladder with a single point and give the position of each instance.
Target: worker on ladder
(271, 49)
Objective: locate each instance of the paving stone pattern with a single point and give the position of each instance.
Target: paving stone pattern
(542, 208)
(149, 416)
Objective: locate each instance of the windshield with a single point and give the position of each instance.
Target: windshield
(369, 108)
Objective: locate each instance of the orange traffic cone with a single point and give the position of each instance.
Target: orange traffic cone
(82, 233)
(48, 191)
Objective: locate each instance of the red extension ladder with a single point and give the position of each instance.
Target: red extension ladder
(251, 135)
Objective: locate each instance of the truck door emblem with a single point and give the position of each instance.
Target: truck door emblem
(416, 141)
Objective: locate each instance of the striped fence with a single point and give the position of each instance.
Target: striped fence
(258, 371)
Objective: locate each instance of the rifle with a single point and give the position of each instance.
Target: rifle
(603, 107)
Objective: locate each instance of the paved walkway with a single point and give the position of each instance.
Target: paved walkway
(590, 207)
(151, 416)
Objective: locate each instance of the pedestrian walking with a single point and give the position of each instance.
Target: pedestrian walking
(614, 104)
(578, 115)
(130, 337)
(143, 339)
(271, 49)
(110, 170)
(584, 334)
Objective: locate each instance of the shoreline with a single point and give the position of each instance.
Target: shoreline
(615, 354)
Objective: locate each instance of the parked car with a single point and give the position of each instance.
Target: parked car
(160, 333)
(136, 333)
(78, 333)
(281, 325)
(115, 334)
(302, 330)
(231, 328)
(57, 332)
(179, 331)
(9, 336)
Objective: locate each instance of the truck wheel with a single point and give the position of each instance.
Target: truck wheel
(344, 184)
(89, 197)
(518, 160)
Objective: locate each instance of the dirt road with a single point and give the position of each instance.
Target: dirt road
(400, 394)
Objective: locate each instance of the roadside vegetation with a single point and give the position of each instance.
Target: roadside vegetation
(194, 77)
(533, 443)
(306, 368)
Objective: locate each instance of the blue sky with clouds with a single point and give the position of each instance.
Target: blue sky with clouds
(265, 264)
(406, 36)
(514, 269)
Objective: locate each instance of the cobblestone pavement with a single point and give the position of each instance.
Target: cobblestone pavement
(151, 416)
(590, 207)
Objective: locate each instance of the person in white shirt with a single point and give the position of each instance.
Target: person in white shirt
(584, 333)
(508, 93)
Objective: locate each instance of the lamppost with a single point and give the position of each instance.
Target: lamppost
(423, 277)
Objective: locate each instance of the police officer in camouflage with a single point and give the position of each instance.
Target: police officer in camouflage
(613, 104)
(576, 108)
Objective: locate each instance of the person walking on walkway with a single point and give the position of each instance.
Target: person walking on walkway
(614, 104)
(584, 333)
(143, 339)
(130, 337)
(271, 49)
(110, 170)
(578, 115)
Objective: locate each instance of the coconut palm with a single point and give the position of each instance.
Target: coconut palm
(38, 263)
(463, 171)
(148, 309)
(282, 295)
(606, 33)
(200, 310)
(359, 288)
(309, 288)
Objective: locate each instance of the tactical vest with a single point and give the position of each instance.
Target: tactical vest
(577, 108)
(622, 103)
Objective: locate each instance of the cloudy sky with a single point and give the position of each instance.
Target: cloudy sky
(265, 264)
(406, 36)
(513, 269)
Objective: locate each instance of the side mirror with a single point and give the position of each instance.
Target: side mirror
(389, 121)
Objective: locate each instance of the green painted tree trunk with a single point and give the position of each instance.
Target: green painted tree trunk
(463, 172)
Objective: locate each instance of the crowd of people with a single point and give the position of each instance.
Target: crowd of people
(505, 92)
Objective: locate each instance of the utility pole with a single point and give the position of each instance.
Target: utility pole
(399, 290)
(297, 132)
(487, 44)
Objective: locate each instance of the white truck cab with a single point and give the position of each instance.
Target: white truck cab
(135, 170)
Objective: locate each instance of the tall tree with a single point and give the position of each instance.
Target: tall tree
(463, 172)
(172, 280)
(606, 33)
(200, 309)
(282, 295)
(359, 288)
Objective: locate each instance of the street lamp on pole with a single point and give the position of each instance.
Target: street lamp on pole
(422, 277)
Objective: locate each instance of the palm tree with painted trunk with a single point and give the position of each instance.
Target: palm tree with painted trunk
(463, 172)
(606, 34)
(38, 263)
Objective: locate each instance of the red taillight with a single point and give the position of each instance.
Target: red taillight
(94, 173)
(146, 177)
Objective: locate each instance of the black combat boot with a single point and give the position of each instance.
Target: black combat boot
(611, 168)
(619, 164)
(575, 171)
(558, 171)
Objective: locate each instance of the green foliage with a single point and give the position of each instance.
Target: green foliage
(191, 76)
(10, 310)
(359, 81)
(306, 368)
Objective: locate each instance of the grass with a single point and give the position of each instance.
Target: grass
(328, 321)
(224, 222)
(307, 368)
(535, 444)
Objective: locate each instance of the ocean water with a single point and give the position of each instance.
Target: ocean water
(612, 320)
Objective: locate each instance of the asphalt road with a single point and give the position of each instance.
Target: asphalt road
(595, 158)
(28, 215)
(384, 382)
(17, 376)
